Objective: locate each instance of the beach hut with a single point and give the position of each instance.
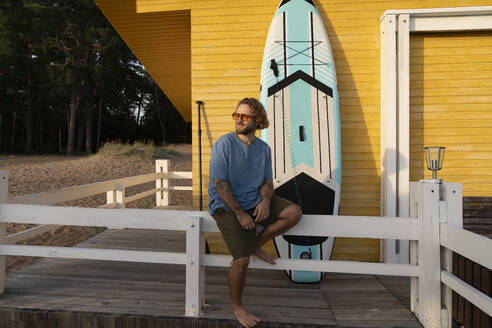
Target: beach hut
(410, 74)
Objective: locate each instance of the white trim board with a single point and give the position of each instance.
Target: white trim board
(396, 26)
(440, 12)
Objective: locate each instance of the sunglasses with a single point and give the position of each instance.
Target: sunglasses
(244, 117)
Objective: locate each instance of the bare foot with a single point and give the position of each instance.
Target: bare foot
(264, 256)
(245, 318)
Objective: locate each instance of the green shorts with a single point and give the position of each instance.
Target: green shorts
(242, 242)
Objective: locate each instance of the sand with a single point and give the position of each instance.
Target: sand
(34, 174)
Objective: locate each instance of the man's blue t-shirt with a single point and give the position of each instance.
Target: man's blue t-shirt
(245, 168)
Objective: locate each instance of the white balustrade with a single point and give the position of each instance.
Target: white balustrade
(434, 230)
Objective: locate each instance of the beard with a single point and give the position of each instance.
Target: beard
(244, 130)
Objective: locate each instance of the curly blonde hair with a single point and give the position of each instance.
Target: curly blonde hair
(259, 112)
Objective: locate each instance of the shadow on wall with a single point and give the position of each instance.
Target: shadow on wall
(388, 173)
(360, 175)
(393, 250)
(418, 168)
(206, 125)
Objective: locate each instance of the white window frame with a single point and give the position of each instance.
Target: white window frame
(396, 26)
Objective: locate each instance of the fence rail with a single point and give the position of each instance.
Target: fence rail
(115, 195)
(29, 233)
(78, 192)
(466, 243)
(434, 223)
(475, 296)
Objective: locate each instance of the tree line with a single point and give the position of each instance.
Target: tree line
(68, 82)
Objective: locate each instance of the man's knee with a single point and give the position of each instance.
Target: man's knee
(292, 214)
(241, 263)
(296, 214)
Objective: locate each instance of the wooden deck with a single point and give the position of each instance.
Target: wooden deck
(80, 293)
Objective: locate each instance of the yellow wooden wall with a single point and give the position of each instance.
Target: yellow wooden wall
(451, 106)
(227, 48)
(162, 43)
(227, 40)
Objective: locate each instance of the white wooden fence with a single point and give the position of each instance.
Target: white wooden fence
(434, 231)
(115, 194)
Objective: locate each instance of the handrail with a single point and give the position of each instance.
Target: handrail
(131, 218)
(473, 295)
(195, 223)
(466, 243)
(358, 227)
(474, 247)
(78, 192)
(329, 225)
(29, 233)
(391, 269)
(142, 195)
(178, 175)
(95, 254)
(115, 190)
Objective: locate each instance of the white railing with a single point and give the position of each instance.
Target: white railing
(115, 195)
(434, 223)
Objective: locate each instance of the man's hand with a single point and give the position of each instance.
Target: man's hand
(246, 221)
(262, 210)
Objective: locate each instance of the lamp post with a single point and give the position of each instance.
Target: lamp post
(434, 157)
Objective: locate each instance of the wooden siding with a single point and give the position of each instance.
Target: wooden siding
(226, 63)
(162, 43)
(227, 48)
(451, 106)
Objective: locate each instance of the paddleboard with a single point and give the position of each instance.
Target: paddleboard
(299, 91)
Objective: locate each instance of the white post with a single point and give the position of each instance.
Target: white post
(110, 196)
(403, 164)
(389, 132)
(194, 270)
(116, 196)
(414, 213)
(120, 196)
(162, 197)
(429, 256)
(202, 270)
(4, 192)
(452, 214)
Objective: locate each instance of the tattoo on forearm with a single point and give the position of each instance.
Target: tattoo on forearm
(225, 193)
(220, 185)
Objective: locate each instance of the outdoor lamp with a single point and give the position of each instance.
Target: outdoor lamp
(434, 157)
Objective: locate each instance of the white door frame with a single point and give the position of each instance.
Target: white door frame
(396, 26)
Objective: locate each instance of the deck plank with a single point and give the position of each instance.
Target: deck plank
(71, 289)
(362, 301)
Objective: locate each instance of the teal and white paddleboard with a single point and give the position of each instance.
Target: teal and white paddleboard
(299, 91)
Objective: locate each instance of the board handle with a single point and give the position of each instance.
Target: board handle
(301, 132)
